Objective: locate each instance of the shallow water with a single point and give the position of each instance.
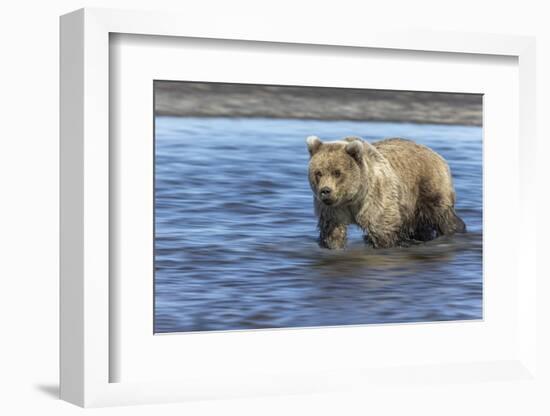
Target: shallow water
(236, 239)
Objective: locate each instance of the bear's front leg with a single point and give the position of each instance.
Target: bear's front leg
(332, 236)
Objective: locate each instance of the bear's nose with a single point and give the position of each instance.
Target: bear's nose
(325, 191)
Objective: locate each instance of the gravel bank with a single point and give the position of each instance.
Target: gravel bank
(197, 99)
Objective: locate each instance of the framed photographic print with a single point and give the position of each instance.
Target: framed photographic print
(262, 212)
(236, 245)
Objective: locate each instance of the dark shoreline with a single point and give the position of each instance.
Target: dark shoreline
(198, 99)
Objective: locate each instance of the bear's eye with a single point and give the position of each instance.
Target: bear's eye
(337, 173)
(318, 174)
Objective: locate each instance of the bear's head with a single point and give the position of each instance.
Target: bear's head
(336, 169)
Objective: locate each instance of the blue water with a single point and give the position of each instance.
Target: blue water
(236, 239)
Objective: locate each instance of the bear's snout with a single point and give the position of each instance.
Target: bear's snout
(325, 191)
(325, 194)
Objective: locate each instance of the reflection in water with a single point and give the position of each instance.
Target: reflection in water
(235, 244)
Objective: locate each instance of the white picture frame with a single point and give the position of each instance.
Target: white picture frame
(86, 304)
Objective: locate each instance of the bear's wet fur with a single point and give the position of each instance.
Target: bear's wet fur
(399, 192)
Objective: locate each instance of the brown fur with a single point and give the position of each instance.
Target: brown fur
(397, 191)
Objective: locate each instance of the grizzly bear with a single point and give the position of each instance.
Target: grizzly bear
(397, 191)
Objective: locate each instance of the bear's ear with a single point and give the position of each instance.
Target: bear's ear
(355, 149)
(313, 144)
